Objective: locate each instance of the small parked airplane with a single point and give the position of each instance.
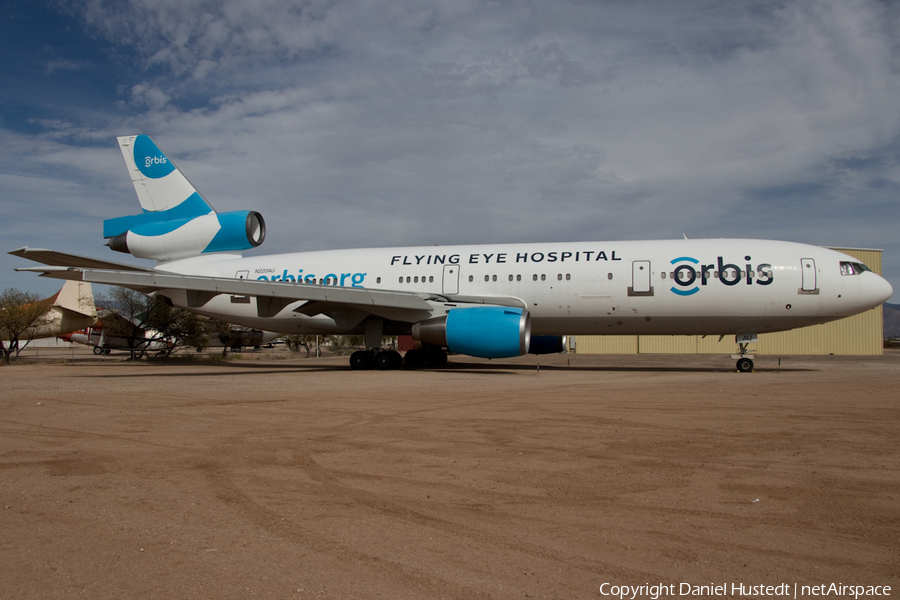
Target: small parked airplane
(490, 301)
(71, 308)
(104, 344)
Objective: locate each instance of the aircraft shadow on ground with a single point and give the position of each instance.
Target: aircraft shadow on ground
(451, 368)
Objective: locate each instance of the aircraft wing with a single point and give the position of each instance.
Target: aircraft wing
(61, 259)
(271, 296)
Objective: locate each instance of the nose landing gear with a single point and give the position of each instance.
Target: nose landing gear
(744, 365)
(744, 360)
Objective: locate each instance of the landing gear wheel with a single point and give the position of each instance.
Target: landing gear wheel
(744, 365)
(414, 358)
(388, 360)
(426, 357)
(361, 359)
(436, 358)
(98, 350)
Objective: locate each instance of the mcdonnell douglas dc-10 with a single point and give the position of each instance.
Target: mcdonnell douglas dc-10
(490, 301)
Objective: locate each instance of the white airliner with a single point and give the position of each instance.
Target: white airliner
(490, 301)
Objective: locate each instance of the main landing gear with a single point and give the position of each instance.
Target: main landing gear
(425, 357)
(388, 360)
(383, 360)
(375, 357)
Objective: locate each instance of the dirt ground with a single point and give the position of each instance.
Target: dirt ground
(300, 478)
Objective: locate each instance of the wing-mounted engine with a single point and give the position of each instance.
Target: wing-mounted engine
(170, 239)
(483, 331)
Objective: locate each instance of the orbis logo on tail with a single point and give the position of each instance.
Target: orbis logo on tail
(149, 159)
(690, 275)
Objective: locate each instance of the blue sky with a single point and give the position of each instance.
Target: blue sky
(364, 123)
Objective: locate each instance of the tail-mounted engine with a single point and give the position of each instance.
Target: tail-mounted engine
(152, 235)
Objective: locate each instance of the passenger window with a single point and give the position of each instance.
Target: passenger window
(609, 276)
(495, 278)
(568, 276)
(431, 279)
(518, 278)
(543, 277)
(471, 278)
(378, 280)
(487, 277)
(534, 277)
(510, 277)
(416, 280)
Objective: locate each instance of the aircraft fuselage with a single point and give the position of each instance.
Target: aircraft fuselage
(677, 287)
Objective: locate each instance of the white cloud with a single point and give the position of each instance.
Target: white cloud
(145, 95)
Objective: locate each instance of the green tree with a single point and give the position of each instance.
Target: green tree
(347, 344)
(21, 315)
(145, 322)
(295, 342)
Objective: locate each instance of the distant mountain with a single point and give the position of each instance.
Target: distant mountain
(892, 321)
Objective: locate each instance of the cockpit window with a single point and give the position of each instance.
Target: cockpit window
(853, 268)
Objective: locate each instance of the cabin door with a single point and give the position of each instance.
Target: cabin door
(640, 277)
(451, 279)
(808, 267)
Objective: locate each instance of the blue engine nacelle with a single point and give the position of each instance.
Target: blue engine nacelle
(548, 344)
(170, 239)
(482, 331)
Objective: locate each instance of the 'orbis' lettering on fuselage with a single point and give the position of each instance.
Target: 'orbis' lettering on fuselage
(500, 258)
(341, 279)
(686, 275)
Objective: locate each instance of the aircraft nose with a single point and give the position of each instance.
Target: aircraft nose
(878, 290)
